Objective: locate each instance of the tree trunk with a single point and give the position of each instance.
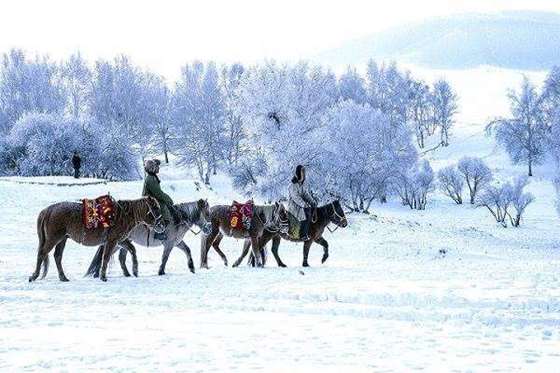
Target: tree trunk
(530, 167)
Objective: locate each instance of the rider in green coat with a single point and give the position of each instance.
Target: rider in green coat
(152, 188)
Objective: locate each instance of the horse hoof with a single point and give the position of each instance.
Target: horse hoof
(135, 274)
(126, 274)
(324, 259)
(32, 278)
(64, 279)
(104, 279)
(305, 265)
(161, 273)
(282, 265)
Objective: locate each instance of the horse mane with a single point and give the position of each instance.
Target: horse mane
(266, 210)
(189, 210)
(127, 208)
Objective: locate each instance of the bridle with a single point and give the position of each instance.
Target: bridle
(337, 215)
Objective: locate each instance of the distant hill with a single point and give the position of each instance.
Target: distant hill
(518, 40)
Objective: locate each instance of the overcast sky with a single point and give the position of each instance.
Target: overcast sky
(165, 34)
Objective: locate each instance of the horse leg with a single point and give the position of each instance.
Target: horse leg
(183, 246)
(126, 244)
(244, 253)
(321, 241)
(306, 247)
(275, 246)
(216, 246)
(122, 261)
(206, 242)
(164, 257)
(42, 258)
(108, 249)
(256, 251)
(58, 251)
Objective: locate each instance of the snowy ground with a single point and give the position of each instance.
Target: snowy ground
(440, 290)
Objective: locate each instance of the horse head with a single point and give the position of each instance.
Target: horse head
(153, 217)
(204, 216)
(337, 215)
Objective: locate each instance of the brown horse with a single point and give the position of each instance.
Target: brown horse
(322, 217)
(63, 220)
(272, 218)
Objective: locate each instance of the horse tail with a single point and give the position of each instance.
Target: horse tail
(95, 265)
(41, 233)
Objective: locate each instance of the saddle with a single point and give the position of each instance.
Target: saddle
(241, 215)
(99, 212)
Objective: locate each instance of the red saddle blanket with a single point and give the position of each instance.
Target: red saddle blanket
(241, 215)
(98, 212)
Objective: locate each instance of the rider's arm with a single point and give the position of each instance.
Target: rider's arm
(297, 197)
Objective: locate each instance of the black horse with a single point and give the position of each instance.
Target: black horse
(322, 217)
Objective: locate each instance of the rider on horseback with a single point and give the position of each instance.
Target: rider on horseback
(153, 189)
(301, 203)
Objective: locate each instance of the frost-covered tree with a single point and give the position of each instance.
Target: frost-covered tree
(29, 85)
(388, 91)
(361, 153)
(198, 118)
(524, 135)
(119, 103)
(445, 106)
(476, 173)
(451, 183)
(157, 100)
(77, 83)
(282, 108)
(231, 77)
(351, 86)
(420, 111)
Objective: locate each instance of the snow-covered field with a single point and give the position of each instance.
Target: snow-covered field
(444, 289)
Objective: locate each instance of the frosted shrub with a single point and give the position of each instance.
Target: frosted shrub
(413, 186)
(507, 201)
(476, 173)
(451, 183)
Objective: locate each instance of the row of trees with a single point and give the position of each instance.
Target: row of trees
(354, 132)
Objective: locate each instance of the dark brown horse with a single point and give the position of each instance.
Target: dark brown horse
(322, 217)
(63, 220)
(272, 218)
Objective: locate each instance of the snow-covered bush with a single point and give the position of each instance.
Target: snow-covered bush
(476, 173)
(519, 200)
(506, 201)
(496, 199)
(44, 144)
(451, 183)
(414, 185)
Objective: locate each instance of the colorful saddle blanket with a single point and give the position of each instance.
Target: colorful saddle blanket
(99, 212)
(241, 215)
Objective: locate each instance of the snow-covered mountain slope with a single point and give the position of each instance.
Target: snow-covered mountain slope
(517, 40)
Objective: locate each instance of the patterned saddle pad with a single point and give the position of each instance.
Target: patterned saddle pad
(241, 215)
(98, 212)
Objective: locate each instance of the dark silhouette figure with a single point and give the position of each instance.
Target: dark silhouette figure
(77, 164)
